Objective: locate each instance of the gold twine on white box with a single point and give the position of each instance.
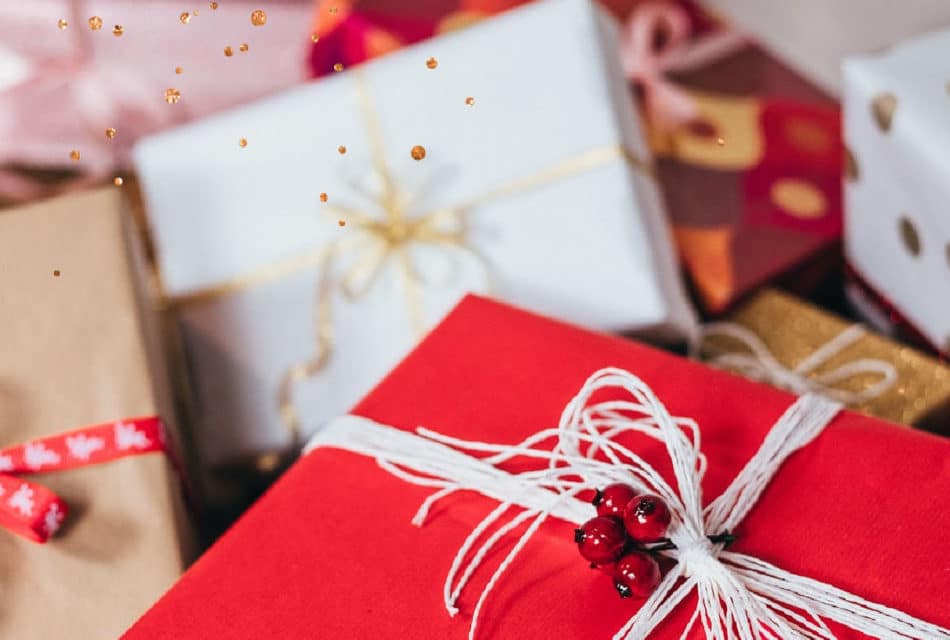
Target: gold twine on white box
(739, 597)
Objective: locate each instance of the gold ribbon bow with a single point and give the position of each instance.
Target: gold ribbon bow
(373, 243)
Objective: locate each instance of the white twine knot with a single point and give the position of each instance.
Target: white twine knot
(759, 364)
(738, 596)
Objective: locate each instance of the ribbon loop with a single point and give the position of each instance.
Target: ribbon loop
(760, 364)
(33, 511)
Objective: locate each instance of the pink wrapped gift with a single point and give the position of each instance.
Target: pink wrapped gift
(63, 85)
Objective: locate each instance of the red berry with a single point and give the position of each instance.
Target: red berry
(601, 540)
(613, 499)
(637, 574)
(646, 518)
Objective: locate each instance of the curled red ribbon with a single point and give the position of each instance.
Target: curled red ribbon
(33, 511)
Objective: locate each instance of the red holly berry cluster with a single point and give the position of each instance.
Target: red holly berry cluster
(615, 540)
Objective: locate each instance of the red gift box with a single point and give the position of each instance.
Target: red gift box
(330, 552)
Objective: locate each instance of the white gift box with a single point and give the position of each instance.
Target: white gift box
(242, 235)
(897, 227)
(814, 36)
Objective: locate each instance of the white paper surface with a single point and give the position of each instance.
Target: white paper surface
(902, 174)
(814, 36)
(592, 248)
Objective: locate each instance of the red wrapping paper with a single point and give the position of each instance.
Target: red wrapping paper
(329, 551)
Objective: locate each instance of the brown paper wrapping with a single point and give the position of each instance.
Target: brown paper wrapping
(78, 349)
(793, 329)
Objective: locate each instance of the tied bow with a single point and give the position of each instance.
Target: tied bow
(655, 41)
(759, 364)
(36, 513)
(738, 596)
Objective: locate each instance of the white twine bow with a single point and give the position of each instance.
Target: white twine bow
(739, 596)
(759, 364)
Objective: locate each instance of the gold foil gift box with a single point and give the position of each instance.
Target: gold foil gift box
(780, 339)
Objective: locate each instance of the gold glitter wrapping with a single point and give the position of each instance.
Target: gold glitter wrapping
(792, 329)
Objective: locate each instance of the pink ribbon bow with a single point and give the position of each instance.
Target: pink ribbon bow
(655, 41)
(36, 513)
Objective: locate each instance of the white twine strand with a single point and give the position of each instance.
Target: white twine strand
(758, 363)
(739, 597)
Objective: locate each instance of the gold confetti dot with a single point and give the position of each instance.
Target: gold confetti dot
(74, 155)
(244, 47)
(242, 142)
(95, 23)
(883, 106)
(338, 67)
(172, 95)
(314, 37)
(228, 52)
(213, 5)
(341, 149)
(110, 133)
(323, 197)
(62, 24)
(258, 18)
(333, 9)
(185, 17)
(851, 170)
(470, 101)
(720, 141)
(342, 223)
(117, 181)
(432, 63)
(418, 152)
(195, 12)
(56, 272)
(118, 30)
(178, 70)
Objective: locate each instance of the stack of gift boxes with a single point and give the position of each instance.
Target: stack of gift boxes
(216, 278)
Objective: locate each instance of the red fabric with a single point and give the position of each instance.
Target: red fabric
(35, 512)
(329, 551)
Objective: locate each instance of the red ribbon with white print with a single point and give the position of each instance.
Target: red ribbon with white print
(35, 512)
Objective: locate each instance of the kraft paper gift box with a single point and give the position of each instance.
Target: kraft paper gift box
(540, 192)
(815, 36)
(60, 89)
(334, 536)
(79, 349)
(897, 232)
(792, 331)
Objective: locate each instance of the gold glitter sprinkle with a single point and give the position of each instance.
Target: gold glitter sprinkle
(342, 223)
(333, 9)
(172, 95)
(470, 101)
(62, 24)
(117, 30)
(95, 23)
(243, 47)
(185, 17)
(338, 67)
(118, 181)
(418, 152)
(720, 141)
(341, 149)
(228, 51)
(258, 18)
(74, 155)
(432, 63)
(56, 273)
(314, 37)
(213, 5)
(242, 142)
(178, 70)
(323, 197)
(909, 236)
(110, 133)
(195, 12)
